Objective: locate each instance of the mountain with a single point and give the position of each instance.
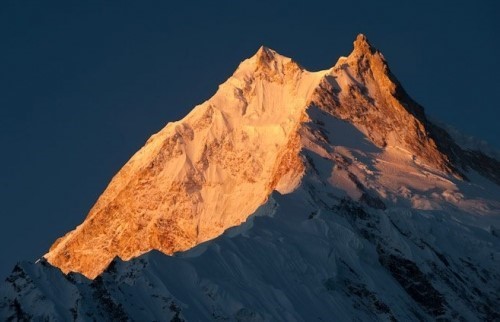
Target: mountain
(288, 195)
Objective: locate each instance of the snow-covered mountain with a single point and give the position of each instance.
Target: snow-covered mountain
(288, 195)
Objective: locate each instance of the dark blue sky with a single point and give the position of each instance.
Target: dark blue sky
(83, 85)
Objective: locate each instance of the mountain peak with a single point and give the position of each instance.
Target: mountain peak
(366, 59)
(364, 199)
(364, 54)
(265, 53)
(269, 64)
(373, 99)
(361, 44)
(265, 56)
(212, 169)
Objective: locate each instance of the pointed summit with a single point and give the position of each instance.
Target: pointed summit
(362, 45)
(265, 54)
(269, 64)
(372, 98)
(364, 55)
(264, 58)
(368, 65)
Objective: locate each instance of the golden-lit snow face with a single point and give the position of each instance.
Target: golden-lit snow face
(203, 174)
(211, 170)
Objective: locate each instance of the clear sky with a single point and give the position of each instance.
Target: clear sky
(85, 83)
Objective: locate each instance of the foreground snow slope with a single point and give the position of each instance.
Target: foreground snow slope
(335, 196)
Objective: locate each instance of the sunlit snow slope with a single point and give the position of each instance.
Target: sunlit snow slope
(200, 175)
(336, 198)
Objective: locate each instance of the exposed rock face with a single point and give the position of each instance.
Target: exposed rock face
(361, 89)
(211, 170)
